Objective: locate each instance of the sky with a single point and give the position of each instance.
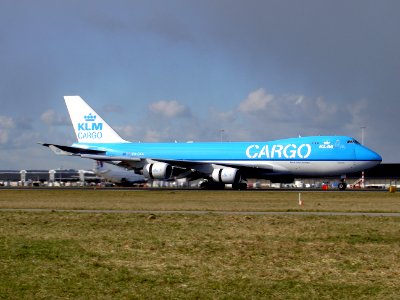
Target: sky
(162, 71)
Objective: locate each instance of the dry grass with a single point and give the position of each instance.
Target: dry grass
(200, 200)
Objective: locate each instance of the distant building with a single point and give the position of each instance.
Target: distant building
(39, 175)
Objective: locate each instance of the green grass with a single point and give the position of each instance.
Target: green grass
(70, 255)
(54, 255)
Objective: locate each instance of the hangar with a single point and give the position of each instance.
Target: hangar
(38, 177)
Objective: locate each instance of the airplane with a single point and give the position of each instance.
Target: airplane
(120, 176)
(216, 164)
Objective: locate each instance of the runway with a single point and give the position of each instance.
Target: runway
(205, 212)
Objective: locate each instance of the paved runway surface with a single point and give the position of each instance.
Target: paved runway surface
(204, 212)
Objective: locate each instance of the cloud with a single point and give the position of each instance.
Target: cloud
(223, 117)
(153, 135)
(16, 133)
(260, 116)
(170, 109)
(289, 108)
(256, 101)
(286, 115)
(50, 117)
(6, 122)
(320, 68)
(3, 136)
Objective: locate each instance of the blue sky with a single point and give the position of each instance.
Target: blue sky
(184, 70)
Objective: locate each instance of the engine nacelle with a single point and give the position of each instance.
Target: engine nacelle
(157, 171)
(226, 175)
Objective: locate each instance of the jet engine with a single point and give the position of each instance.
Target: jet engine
(226, 175)
(157, 171)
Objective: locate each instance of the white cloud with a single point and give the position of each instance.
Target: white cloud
(228, 116)
(267, 116)
(256, 101)
(290, 109)
(261, 116)
(170, 109)
(6, 122)
(50, 117)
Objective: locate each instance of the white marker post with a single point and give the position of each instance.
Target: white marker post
(300, 201)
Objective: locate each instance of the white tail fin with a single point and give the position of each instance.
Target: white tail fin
(89, 126)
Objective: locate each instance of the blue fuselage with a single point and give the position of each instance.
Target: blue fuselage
(286, 154)
(321, 148)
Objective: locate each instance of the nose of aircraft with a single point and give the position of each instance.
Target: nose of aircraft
(363, 153)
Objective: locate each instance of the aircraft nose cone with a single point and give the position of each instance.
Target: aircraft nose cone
(377, 157)
(366, 154)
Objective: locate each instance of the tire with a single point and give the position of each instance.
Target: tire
(239, 186)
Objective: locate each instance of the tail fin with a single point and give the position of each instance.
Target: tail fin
(89, 126)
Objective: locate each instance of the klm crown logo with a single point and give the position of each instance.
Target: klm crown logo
(326, 145)
(90, 118)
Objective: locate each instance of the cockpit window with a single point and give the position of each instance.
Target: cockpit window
(353, 142)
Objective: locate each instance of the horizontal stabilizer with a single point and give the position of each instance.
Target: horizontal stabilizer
(68, 150)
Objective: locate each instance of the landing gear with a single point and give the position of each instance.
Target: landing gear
(211, 185)
(239, 186)
(342, 185)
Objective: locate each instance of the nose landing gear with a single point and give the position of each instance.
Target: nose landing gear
(342, 184)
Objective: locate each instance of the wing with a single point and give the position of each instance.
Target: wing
(207, 167)
(182, 168)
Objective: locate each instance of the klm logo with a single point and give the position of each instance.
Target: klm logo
(326, 145)
(90, 126)
(90, 129)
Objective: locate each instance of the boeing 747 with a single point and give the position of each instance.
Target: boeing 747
(216, 164)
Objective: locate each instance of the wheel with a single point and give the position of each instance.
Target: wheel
(210, 185)
(342, 186)
(239, 186)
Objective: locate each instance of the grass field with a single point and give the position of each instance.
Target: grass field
(200, 200)
(57, 255)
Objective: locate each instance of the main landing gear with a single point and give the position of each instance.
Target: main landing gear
(239, 186)
(211, 185)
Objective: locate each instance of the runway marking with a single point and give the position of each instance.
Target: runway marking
(209, 212)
